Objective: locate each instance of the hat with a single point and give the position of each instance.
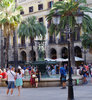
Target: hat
(19, 67)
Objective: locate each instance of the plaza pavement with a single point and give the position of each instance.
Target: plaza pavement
(83, 92)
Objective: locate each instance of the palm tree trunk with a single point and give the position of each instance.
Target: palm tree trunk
(15, 50)
(2, 64)
(72, 55)
(1, 48)
(6, 51)
(32, 44)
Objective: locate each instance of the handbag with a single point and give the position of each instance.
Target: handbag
(33, 76)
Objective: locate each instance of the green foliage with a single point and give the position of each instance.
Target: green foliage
(30, 27)
(9, 19)
(68, 10)
(86, 41)
(87, 24)
(9, 16)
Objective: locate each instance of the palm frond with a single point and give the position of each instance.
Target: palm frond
(30, 27)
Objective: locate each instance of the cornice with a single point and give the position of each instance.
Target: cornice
(22, 2)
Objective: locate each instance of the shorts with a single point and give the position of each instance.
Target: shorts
(64, 79)
(85, 75)
(11, 85)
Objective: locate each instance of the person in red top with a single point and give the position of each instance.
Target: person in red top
(4, 74)
(32, 79)
(87, 69)
(0, 73)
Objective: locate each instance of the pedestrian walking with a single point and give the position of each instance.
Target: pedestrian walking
(84, 73)
(63, 77)
(11, 80)
(19, 81)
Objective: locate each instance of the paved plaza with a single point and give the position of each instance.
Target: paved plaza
(83, 92)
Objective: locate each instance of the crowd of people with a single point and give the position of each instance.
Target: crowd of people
(84, 69)
(14, 77)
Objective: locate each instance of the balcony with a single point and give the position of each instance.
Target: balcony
(30, 44)
(64, 41)
(60, 41)
(22, 45)
(52, 42)
(77, 40)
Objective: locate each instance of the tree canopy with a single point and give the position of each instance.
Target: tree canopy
(67, 10)
(30, 27)
(9, 16)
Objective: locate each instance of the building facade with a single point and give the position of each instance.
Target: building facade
(55, 46)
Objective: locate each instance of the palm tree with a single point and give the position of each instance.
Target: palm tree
(86, 41)
(9, 19)
(31, 28)
(67, 9)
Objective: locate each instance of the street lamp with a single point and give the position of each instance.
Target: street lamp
(79, 16)
(56, 18)
(56, 21)
(85, 51)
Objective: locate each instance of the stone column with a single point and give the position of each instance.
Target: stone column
(11, 55)
(36, 54)
(27, 42)
(28, 57)
(19, 40)
(19, 56)
(47, 50)
(58, 52)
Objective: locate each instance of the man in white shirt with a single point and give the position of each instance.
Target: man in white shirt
(11, 80)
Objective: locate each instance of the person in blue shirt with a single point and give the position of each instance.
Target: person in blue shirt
(63, 77)
(24, 67)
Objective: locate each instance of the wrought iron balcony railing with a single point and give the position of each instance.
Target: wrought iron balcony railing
(22, 45)
(52, 42)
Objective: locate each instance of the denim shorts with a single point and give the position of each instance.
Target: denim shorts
(11, 85)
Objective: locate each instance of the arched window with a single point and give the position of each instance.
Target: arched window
(34, 55)
(53, 54)
(23, 56)
(77, 51)
(64, 53)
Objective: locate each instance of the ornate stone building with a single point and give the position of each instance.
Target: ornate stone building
(55, 47)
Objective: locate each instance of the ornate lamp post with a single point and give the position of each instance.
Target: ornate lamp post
(56, 21)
